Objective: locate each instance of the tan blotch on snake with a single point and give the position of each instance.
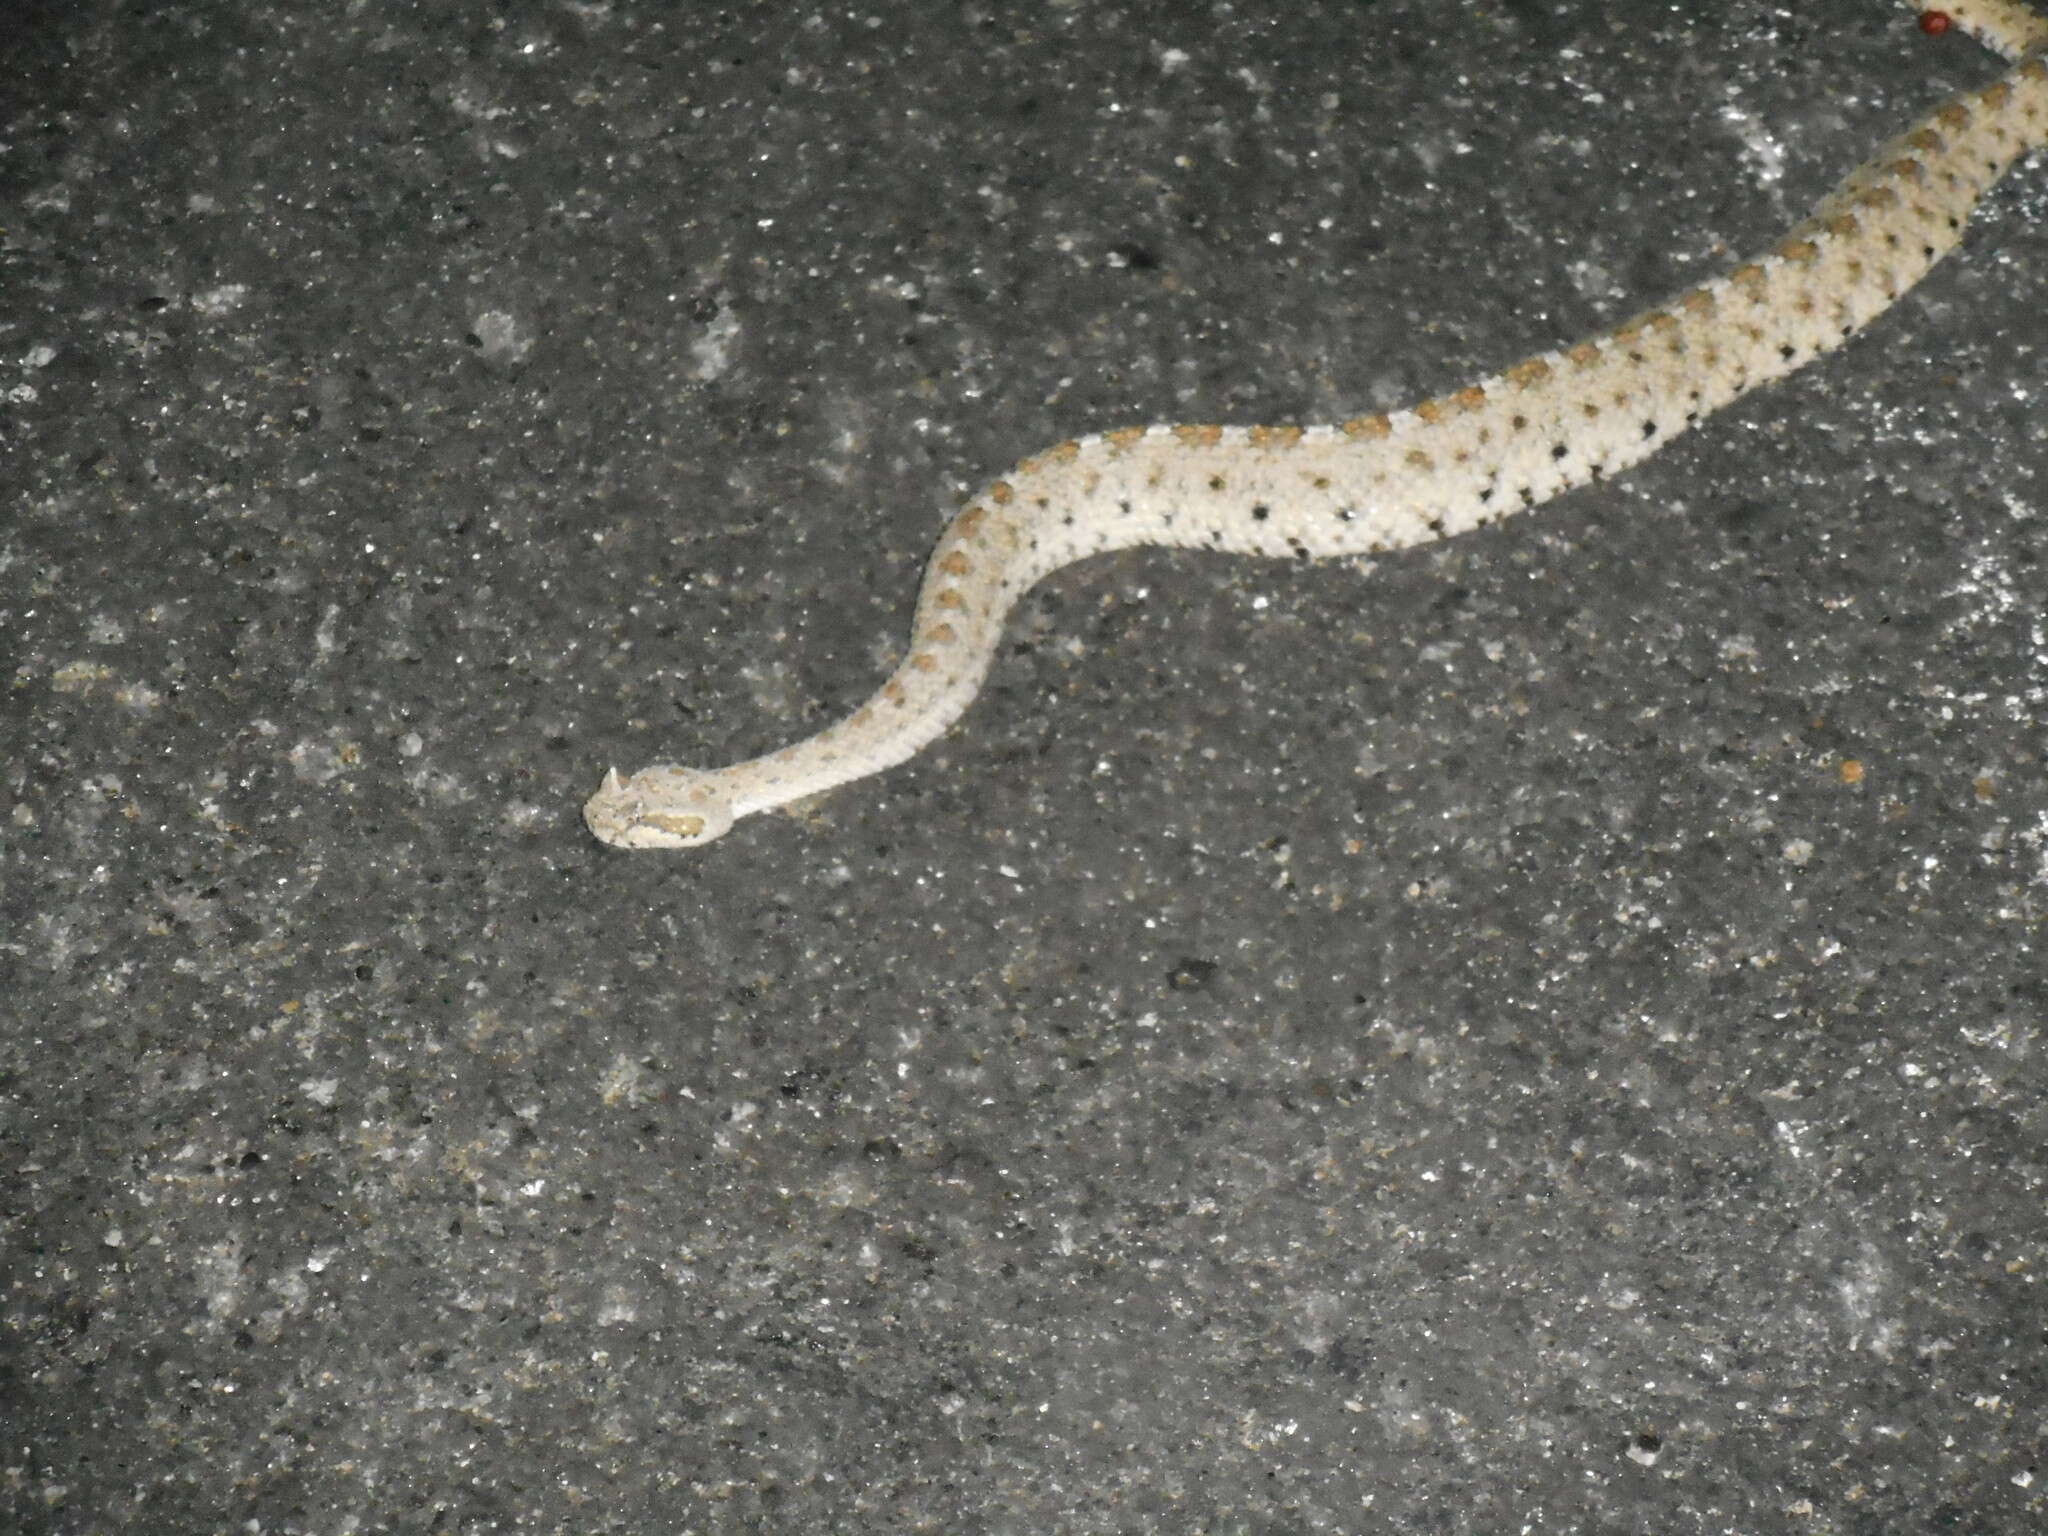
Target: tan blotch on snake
(1380, 482)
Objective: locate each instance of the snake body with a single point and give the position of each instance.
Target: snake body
(1381, 482)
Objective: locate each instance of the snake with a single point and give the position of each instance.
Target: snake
(1385, 481)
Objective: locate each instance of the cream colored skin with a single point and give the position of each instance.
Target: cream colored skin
(1506, 443)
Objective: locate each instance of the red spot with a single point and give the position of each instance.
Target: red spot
(1934, 23)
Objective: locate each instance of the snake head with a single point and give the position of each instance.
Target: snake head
(659, 807)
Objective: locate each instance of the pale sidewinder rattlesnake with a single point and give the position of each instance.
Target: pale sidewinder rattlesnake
(1379, 482)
